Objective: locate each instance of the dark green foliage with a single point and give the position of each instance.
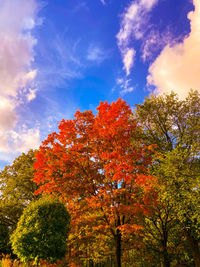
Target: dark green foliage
(41, 231)
(17, 190)
(4, 239)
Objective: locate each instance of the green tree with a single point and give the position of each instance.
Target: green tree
(41, 232)
(17, 190)
(163, 238)
(170, 122)
(174, 126)
(181, 172)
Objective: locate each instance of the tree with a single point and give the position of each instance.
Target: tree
(170, 122)
(163, 239)
(17, 190)
(41, 232)
(102, 174)
(181, 171)
(174, 126)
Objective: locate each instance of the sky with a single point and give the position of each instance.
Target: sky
(59, 56)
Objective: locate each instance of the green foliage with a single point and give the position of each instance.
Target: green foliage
(174, 126)
(181, 189)
(170, 231)
(17, 190)
(164, 239)
(169, 122)
(4, 239)
(41, 231)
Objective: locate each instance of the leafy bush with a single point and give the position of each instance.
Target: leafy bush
(41, 232)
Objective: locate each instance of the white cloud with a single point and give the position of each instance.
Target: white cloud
(17, 77)
(148, 4)
(178, 65)
(16, 50)
(124, 85)
(96, 54)
(103, 2)
(8, 117)
(31, 95)
(21, 141)
(133, 25)
(128, 59)
(133, 21)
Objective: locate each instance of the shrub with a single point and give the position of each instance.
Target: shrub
(41, 232)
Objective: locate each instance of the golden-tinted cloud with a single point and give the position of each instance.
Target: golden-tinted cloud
(17, 19)
(177, 68)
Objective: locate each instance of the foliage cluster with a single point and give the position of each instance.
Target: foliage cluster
(41, 232)
(130, 180)
(17, 191)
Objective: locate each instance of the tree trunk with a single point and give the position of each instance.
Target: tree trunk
(195, 249)
(166, 259)
(118, 248)
(91, 264)
(166, 262)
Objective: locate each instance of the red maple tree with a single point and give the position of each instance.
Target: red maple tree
(101, 169)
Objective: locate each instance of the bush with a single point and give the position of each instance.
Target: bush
(41, 232)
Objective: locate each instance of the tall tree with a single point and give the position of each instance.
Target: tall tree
(96, 166)
(174, 126)
(181, 190)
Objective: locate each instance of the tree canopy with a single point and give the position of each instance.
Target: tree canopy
(129, 178)
(103, 175)
(174, 126)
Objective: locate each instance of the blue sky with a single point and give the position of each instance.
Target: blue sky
(59, 56)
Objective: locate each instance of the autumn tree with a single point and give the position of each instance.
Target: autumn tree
(103, 175)
(174, 126)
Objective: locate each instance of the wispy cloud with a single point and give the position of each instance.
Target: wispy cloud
(17, 77)
(133, 26)
(124, 85)
(58, 60)
(128, 59)
(96, 54)
(155, 41)
(177, 67)
(103, 2)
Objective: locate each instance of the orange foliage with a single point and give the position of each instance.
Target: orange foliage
(8, 262)
(94, 164)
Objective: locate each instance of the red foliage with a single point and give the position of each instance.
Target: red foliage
(97, 165)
